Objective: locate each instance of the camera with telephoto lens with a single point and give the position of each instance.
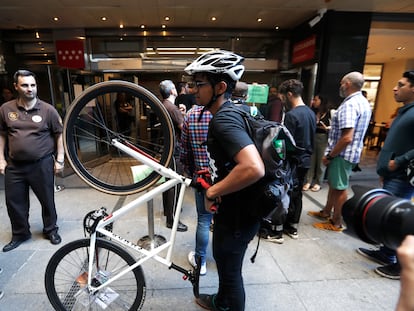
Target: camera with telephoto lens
(377, 217)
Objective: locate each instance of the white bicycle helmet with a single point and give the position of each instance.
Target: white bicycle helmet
(218, 62)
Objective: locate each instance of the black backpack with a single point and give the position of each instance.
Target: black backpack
(276, 146)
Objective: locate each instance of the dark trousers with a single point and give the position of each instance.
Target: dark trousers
(170, 198)
(229, 248)
(295, 206)
(19, 178)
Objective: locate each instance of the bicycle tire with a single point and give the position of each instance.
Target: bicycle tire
(90, 126)
(66, 278)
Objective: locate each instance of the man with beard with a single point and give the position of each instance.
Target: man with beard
(345, 144)
(301, 122)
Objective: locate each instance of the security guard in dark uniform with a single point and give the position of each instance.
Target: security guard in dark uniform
(32, 131)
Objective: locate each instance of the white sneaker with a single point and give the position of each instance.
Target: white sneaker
(203, 269)
(192, 261)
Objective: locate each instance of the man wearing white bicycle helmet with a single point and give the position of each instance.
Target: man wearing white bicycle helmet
(235, 164)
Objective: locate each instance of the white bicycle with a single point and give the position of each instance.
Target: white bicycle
(98, 273)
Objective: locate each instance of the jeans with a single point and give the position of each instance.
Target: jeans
(317, 170)
(229, 248)
(401, 189)
(203, 226)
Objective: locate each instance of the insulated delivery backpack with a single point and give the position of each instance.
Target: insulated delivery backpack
(275, 145)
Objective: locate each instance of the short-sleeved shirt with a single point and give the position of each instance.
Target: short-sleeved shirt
(355, 113)
(301, 122)
(227, 135)
(30, 134)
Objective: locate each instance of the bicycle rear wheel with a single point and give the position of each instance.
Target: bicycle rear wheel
(93, 121)
(66, 278)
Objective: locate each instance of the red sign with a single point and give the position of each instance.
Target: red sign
(304, 50)
(69, 53)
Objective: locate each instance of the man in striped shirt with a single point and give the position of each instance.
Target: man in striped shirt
(345, 144)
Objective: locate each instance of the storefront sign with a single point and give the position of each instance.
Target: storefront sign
(69, 53)
(257, 93)
(304, 50)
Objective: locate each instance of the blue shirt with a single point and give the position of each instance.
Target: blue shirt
(355, 113)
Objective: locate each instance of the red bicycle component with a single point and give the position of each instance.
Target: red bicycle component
(203, 179)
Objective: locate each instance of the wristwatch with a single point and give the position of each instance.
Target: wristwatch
(329, 157)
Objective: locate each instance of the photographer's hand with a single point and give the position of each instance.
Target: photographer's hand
(406, 258)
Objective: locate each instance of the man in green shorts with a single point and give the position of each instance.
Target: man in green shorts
(345, 144)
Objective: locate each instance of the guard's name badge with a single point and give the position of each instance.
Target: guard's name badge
(36, 118)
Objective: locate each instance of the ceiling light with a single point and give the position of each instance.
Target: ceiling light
(103, 18)
(142, 26)
(400, 48)
(55, 18)
(121, 26)
(259, 20)
(163, 26)
(167, 18)
(37, 35)
(277, 27)
(213, 18)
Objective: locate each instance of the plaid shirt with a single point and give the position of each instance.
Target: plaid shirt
(354, 112)
(193, 153)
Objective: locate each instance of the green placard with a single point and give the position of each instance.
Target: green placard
(257, 93)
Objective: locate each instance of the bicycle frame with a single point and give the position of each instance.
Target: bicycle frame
(174, 179)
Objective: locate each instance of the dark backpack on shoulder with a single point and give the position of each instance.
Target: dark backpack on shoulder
(275, 145)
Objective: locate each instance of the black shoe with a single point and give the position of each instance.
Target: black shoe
(207, 302)
(377, 256)
(181, 227)
(357, 169)
(14, 244)
(391, 271)
(54, 237)
(291, 231)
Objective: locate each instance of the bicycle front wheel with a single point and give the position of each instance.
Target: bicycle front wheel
(66, 278)
(96, 117)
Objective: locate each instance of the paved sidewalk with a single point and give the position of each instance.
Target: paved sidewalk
(319, 271)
